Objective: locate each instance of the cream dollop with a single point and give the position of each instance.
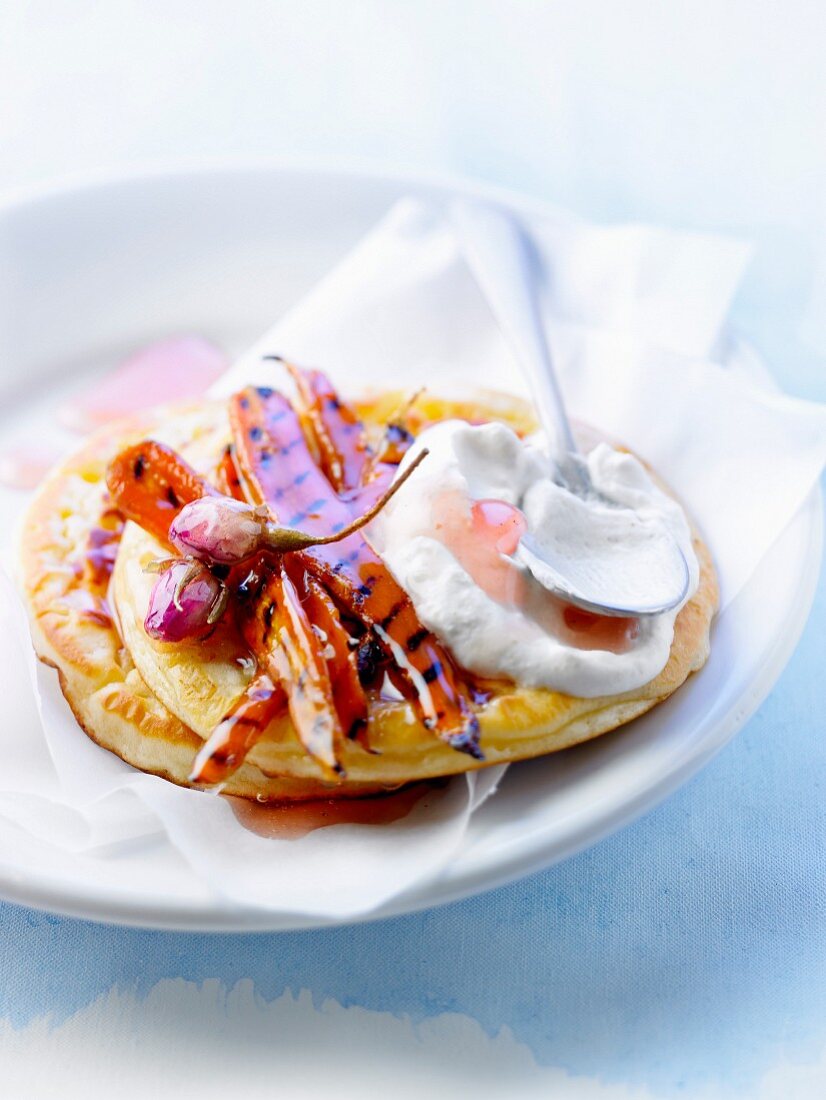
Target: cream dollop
(492, 615)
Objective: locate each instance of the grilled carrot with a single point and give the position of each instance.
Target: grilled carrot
(150, 484)
(381, 467)
(227, 747)
(338, 433)
(226, 475)
(341, 654)
(273, 456)
(293, 657)
(278, 630)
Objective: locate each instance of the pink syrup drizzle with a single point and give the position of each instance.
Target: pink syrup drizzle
(482, 540)
(24, 465)
(179, 369)
(293, 820)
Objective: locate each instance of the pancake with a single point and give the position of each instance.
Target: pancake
(153, 704)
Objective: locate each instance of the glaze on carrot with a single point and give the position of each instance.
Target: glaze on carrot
(338, 433)
(293, 657)
(226, 749)
(273, 456)
(150, 484)
(340, 651)
(334, 641)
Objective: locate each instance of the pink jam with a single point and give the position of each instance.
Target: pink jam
(483, 540)
(498, 523)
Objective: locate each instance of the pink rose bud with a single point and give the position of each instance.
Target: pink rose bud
(197, 603)
(218, 529)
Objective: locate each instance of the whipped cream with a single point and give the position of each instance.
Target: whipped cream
(487, 609)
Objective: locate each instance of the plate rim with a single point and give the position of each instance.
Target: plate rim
(535, 854)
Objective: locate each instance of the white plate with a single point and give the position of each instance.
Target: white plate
(95, 270)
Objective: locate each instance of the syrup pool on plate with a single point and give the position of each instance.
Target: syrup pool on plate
(293, 820)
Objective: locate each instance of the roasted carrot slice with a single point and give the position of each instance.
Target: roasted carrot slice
(395, 443)
(226, 475)
(396, 440)
(228, 745)
(382, 466)
(272, 454)
(280, 634)
(382, 463)
(338, 433)
(150, 484)
(339, 650)
(339, 653)
(293, 657)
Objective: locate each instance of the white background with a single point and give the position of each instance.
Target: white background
(708, 113)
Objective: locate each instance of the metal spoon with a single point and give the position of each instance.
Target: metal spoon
(654, 577)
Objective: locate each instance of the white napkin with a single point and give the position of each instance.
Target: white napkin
(635, 316)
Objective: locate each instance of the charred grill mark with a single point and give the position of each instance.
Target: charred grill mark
(310, 512)
(358, 726)
(149, 482)
(397, 434)
(415, 640)
(267, 617)
(391, 615)
(432, 673)
(369, 658)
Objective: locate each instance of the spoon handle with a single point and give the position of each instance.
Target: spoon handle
(507, 269)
